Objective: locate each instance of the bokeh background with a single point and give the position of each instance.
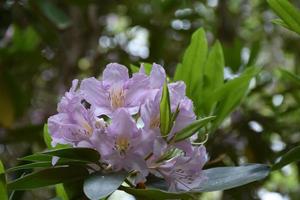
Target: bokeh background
(45, 44)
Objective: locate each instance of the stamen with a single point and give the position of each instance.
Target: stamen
(117, 98)
(122, 145)
(155, 122)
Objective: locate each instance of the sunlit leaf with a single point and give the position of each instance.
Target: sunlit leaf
(191, 69)
(60, 192)
(3, 189)
(288, 13)
(99, 185)
(213, 77)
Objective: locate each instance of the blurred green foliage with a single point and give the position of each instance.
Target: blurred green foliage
(44, 44)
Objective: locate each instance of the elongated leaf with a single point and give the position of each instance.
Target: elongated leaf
(280, 22)
(223, 178)
(214, 68)
(191, 69)
(220, 178)
(192, 128)
(81, 154)
(165, 111)
(48, 177)
(231, 94)
(47, 137)
(213, 78)
(291, 156)
(151, 193)
(3, 189)
(30, 166)
(291, 76)
(98, 185)
(54, 14)
(60, 192)
(288, 13)
(38, 157)
(45, 164)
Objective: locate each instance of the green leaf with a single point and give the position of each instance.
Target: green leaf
(55, 15)
(80, 154)
(165, 111)
(60, 192)
(134, 69)
(151, 193)
(220, 178)
(280, 22)
(99, 185)
(213, 77)
(224, 178)
(291, 76)
(30, 166)
(38, 157)
(48, 140)
(46, 177)
(192, 128)
(288, 13)
(291, 156)
(47, 137)
(147, 68)
(230, 94)
(3, 189)
(191, 69)
(48, 163)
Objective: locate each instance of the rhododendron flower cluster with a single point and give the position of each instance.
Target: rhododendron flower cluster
(119, 116)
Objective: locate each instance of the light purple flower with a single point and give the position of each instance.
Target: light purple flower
(115, 91)
(183, 173)
(124, 146)
(74, 123)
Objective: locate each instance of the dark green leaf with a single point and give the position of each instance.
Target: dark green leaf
(290, 76)
(192, 128)
(52, 13)
(151, 193)
(291, 156)
(99, 185)
(220, 178)
(61, 161)
(223, 178)
(3, 189)
(80, 154)
(30, 166)
(38, 157)
(288, 13)
(165, 111)
(48, 177)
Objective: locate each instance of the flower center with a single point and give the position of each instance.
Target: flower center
(155, 122)
(117, 98)
(88, 129)
(122, 144)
